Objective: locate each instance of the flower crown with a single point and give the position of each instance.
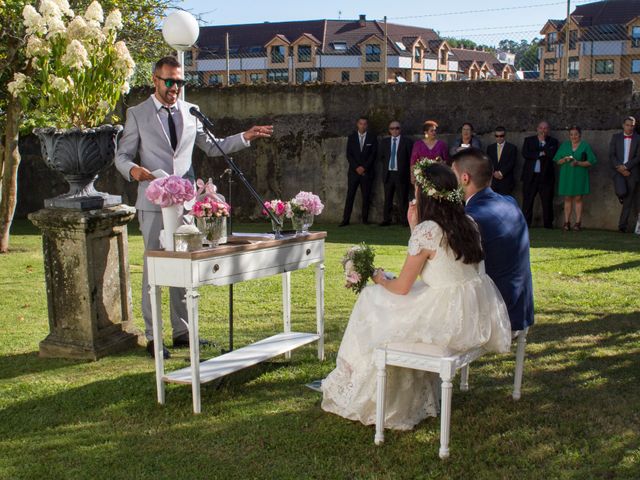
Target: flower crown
(453, 196)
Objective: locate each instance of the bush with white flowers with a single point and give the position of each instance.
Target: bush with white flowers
(77, 69)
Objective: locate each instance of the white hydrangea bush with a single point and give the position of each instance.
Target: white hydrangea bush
(77, 67)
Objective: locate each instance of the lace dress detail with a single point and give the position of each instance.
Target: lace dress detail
(453, 305)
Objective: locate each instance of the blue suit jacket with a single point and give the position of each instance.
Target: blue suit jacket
(505, 240)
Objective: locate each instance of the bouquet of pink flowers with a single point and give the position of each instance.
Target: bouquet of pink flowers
(210, 207)
(278, 207)
(358, 266)
(304, 202)
(168, 191)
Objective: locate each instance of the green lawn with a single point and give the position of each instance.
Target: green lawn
(579, 416)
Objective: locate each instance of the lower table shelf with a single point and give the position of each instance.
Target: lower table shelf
(243, 357)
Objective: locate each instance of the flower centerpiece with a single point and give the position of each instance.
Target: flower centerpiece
(279, 209)
(211, 212)
(301, 209)
(358, 266)
(76, 72)
(170, 193)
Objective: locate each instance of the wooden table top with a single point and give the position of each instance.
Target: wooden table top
(237, 243)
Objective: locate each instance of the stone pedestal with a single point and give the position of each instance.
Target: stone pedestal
(87, 276)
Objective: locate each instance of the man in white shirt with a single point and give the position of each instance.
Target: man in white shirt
(162, 133)
(624, 154)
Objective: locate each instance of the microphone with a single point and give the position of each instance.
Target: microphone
(202, 117)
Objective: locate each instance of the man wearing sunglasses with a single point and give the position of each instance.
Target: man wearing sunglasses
(162, 133)
(503, 157)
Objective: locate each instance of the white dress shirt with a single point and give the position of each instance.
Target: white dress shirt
(627, 149)
(362, 137)
(163, 118)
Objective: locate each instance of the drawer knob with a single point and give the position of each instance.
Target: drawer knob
(308, 251)
(216, 267)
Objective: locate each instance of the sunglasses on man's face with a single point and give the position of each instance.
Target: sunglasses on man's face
(394, 128)
(170, 82)
(498, 135)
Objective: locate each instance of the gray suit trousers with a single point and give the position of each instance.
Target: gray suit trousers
(150, 225)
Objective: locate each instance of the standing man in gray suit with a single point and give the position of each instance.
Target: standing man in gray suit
(624, 154)
(163, 133)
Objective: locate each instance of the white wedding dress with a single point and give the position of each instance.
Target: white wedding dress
(454, 305)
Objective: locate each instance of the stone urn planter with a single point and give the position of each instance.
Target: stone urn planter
(80, 156)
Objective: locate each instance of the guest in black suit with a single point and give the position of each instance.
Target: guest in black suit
(624, 154)
(538, 173)
(362, 150)
(503, 157)
(395, 154)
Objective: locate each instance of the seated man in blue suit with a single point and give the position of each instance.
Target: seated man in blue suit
(504, 234)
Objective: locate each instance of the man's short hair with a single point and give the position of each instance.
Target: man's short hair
(168, 60)
(630, 119)
(476, 164)
(362, 117)
(500, 128)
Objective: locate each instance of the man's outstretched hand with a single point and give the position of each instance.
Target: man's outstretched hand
(258, 131)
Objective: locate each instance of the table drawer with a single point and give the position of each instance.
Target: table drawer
(259, 263)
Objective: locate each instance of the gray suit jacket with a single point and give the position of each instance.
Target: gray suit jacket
(143, 134)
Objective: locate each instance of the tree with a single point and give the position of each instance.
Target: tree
(140, 32)
(526, 52)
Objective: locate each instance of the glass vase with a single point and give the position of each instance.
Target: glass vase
(301, 223)
(212, 228)
(277, 228)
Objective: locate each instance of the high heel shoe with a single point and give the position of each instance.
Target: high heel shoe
(577, 227)
(566, 227)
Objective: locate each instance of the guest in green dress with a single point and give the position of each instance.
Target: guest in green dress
(574, 157)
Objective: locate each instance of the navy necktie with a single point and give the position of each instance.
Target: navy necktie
(172, 129)
(394, 151)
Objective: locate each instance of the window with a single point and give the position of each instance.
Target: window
(339, 46)
(442, 77)
(372, 53)
(552, 40)
(401, 46)
(635, 37)
(417, 55)
(550, 68)
(304, 53)
(573, 39)
(278, 76)
(215, 79)
(188, 58)
(345, 77)
(306, 75)
(192, 78)
(604, 67)
(255, 77)
(234, 78)
(256, 49)
(416, 77)
(428, 77)
(371, 76)
(453, 76)
(443, 56)
(277, 53)
(574, 67)
(635, 66)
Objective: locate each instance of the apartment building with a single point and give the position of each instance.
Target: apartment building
(599, 41)
(332, 51)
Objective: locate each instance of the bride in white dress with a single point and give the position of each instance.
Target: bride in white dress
(454, 305)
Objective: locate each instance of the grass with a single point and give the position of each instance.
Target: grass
(579, 416)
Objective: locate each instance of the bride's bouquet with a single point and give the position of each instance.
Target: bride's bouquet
(358, 266)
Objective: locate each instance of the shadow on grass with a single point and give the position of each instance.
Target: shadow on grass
(12, 366)
(617, 267)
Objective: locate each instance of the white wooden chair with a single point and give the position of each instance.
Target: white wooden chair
(445, 362)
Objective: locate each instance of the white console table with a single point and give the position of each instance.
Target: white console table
(243, 258)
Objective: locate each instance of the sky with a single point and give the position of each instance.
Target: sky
(485, 21)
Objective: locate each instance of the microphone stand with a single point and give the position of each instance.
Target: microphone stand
(235, 169)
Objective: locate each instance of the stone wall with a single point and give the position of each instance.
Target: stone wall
(312, 122)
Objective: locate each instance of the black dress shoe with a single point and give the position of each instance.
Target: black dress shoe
(343, 224)
(622, 230)
(183, 341)
(384, 224)
(151, 352)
